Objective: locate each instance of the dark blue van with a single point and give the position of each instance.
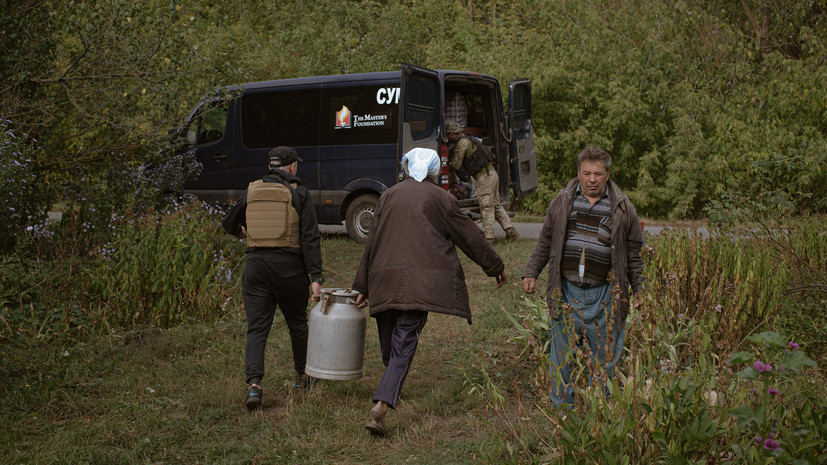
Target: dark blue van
(351, 130)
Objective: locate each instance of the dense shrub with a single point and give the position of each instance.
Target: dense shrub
(678, 96)
(166, 268)
(703, 380)
(23, 196)
(160, 269)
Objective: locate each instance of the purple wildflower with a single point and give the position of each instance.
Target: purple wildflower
(773, 391)
(759, 439)
(761, 367)
(793, 346)
(771, 444)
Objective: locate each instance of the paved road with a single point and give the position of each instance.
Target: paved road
(526, 230)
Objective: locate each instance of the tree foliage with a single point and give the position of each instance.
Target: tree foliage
(697, 101)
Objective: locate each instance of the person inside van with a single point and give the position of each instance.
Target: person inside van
(455, 108)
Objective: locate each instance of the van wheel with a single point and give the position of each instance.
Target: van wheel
(359, 217)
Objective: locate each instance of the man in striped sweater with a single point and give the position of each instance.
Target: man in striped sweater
(591, 242)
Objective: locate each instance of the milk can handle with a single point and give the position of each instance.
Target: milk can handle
(326, 295)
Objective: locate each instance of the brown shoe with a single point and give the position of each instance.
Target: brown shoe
(512, 234)
(376, 427)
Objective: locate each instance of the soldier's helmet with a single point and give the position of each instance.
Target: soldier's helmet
(453, 128)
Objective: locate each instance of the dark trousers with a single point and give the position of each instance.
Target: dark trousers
(268, 282)
(398, 337)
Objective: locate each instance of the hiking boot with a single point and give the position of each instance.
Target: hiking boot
(511, 234)
(253, 399)
(304, 381)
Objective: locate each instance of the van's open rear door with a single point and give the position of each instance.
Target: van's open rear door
(523, 156)
(418, 109)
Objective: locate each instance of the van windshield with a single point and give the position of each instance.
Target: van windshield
(208, 125)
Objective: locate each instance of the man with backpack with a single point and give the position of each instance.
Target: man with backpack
(470, 159)
(277, 217)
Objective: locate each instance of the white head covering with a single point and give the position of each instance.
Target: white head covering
(420, 163)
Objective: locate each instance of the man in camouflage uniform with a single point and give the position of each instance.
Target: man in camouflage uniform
(487, 181)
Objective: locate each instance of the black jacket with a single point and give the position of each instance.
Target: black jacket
(311, 239)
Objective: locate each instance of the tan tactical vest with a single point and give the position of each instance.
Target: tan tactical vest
(271, 219)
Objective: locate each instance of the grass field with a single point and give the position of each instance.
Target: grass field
(76, 388)
(175, 396)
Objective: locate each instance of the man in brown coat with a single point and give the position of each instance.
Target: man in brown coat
(410, 267)
(591, 241)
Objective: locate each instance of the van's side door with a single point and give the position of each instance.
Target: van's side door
(521, 147)
(419, 111)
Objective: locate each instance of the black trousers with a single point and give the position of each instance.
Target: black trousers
(269, 282)
(398, 337)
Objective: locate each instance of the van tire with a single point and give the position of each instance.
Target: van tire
(359, 217)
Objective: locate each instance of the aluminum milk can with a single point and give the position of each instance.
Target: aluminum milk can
(336, 341)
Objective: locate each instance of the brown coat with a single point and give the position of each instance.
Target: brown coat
(627, 240)
(410, 260)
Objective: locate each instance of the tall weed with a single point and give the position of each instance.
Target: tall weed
(166, 268)
(675, 399)
(733, 283)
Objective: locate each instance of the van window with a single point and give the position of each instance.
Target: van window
(421, 103)
(521, 105)
(360, 115)
(209, 124)
(284, 117)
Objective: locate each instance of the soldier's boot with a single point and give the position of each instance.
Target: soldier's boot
(511, 233)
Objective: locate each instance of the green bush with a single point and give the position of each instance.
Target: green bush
(166, 268)
(159, 269)
(675, 399)
(768, 420)
(24, 198)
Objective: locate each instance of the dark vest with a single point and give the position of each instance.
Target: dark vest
(478, 160)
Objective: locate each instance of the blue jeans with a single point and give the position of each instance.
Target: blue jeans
(588, 319)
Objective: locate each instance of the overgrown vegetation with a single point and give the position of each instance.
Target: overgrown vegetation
(24, 197)
(121, 328)
(696, 100)
(715, 365)
(713, 360)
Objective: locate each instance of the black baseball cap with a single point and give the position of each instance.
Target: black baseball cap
(283, 156)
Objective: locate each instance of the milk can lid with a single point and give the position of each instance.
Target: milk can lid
(345, 293)
(339, 292)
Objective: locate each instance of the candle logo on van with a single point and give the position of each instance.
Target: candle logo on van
(343, 118)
